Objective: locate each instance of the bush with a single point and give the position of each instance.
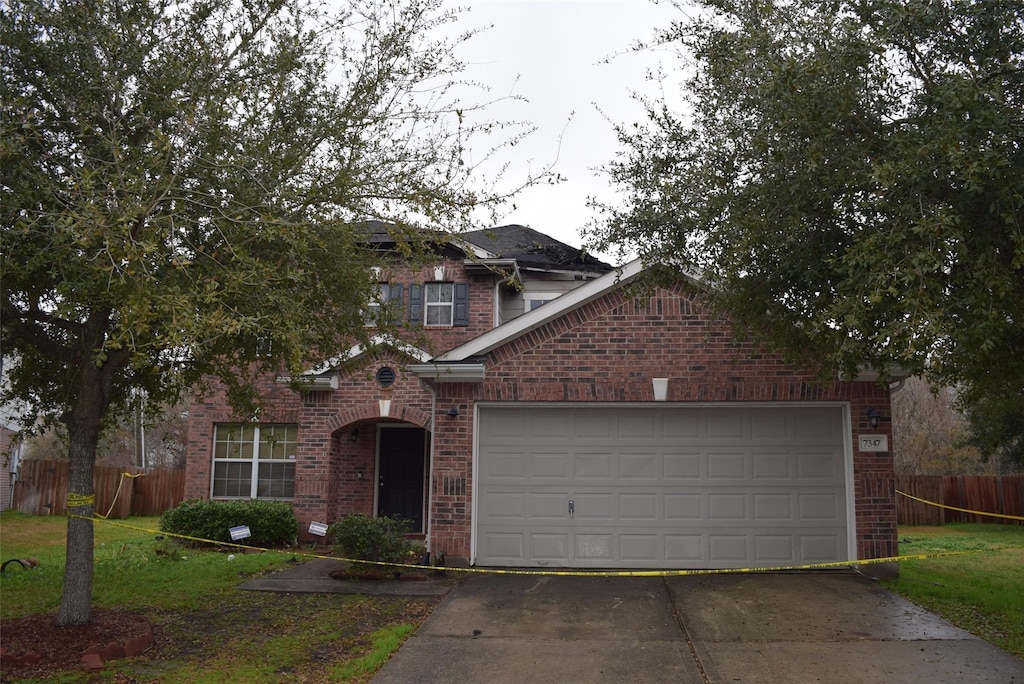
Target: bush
(373, 539)
(272, 523)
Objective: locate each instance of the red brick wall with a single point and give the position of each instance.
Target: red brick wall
(608, 351)
(333, 475)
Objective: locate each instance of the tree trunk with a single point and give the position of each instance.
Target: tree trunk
(83, 425)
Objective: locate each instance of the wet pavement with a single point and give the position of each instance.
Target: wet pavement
(770, 627)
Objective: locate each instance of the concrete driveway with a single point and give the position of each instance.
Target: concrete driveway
(772, 627)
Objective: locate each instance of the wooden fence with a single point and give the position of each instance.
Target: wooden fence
(42, 486)
(1001, 494)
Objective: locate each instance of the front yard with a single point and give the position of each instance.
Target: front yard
(206, 630)
(981, 592)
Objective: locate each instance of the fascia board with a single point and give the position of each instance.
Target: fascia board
(495, 266)
(359, 349)
(449, 372)
(894, 372)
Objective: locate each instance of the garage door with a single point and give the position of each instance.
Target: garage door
(660, 487)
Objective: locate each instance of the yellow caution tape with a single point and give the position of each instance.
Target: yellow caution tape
(77, 500)
(564, 573)
(961, 510)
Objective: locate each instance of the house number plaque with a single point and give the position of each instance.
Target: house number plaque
(874, 442)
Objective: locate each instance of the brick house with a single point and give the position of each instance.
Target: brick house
(560, 419)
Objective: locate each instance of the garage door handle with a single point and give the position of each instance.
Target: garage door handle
(572, 508)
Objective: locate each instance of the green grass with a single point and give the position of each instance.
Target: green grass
(385, 642)
(981, 591)
(132, 568)
(210, 631)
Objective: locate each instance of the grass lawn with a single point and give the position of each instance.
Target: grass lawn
(981, 592)
(207, 630)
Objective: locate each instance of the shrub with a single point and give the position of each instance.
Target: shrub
(374, 539)
(272, 523)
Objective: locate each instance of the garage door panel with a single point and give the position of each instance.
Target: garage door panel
(683, 466)
(818, 465)
(683, 507)
(773, 466)
(820, 548)
(593, 466)
(637, 506)
(774, 549)
(728, 548)
(725, 424)
(639, 426)
(593, 547)
(774, 507)
(506, 464)
(685, 548)
(640, 466)
(549, 546)
(639, 548)
(823, 506)
(729, 507)
(696, 487)
(507, 547)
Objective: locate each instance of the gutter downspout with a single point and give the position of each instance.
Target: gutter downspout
(430, 469)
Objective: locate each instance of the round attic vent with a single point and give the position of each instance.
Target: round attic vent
(386, 376)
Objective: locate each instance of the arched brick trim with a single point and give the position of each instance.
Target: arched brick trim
(371, 411)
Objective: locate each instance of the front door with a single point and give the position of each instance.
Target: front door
(402, 455)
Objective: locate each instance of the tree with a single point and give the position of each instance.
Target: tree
(928, 433)
(183, 187)
(850, 178)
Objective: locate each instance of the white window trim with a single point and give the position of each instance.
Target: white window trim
(427, 304)
(255, 460)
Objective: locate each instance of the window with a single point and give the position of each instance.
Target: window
(254, 460)
(537, 299)
(440, 303)
(387, 301)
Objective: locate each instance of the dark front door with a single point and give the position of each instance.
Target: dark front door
(400, 471)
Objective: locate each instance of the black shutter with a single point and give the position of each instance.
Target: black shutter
(461, 316)
(395, 302)
(415, 303)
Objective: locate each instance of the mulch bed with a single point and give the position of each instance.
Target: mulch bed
(61, 648)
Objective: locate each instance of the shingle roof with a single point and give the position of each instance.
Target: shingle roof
(533, 249)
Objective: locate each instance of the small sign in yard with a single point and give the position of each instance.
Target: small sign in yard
(318, 528)
(240, 532)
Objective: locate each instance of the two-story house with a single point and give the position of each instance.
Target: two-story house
(547, 415)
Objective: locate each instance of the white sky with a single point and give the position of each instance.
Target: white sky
(553, 53)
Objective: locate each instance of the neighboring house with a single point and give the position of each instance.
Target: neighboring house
(563, 420)
(10, 457)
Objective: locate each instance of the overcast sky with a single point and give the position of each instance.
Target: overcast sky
(555, 54)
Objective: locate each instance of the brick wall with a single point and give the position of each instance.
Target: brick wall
(608, 351)
(334, 474)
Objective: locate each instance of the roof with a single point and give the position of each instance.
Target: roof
(533, 249)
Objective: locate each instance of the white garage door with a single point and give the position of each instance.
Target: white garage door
(660, 487)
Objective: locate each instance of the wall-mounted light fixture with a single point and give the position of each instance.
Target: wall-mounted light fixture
(354, 435)
(873, 417)
(453, 411)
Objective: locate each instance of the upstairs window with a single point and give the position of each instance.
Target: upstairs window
(254, 460)
(386, 302)
(440, 303)
(437, 305)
